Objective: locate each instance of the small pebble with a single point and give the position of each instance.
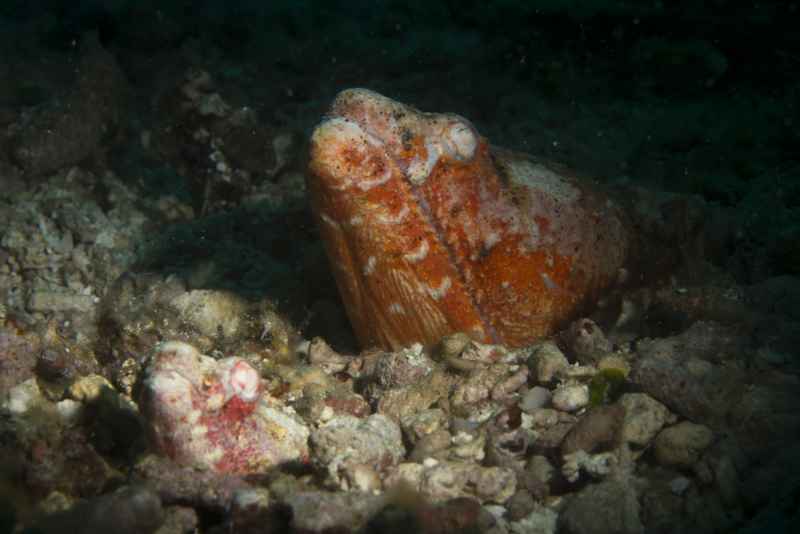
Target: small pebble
(535, 398)
(571, 398)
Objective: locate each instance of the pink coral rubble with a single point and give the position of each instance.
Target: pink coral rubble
(215, 414)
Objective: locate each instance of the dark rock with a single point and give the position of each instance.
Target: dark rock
(128, 510)
(586, 341)
(676, 371)
(662, 510)
(508, 449)
(177, 484)
(538, 476)
(610, 506)
(179, 520)
(680, 446)
(409, 513)
(317, 511)
(375, 441)
(596, 431)
(520, 505)
(66, 462)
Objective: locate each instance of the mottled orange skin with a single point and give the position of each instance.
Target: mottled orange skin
(431, 231)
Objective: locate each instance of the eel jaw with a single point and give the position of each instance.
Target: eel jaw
(343, 155)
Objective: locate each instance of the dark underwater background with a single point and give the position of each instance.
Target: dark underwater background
(697, 99)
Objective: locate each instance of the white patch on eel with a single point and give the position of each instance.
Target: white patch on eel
(437, 293)
(418, 254)
(369, 267)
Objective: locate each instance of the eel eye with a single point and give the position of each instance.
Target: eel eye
(460, 141)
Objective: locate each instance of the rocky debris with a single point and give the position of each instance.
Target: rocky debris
(550, 426)
(669, 370)
(403, 368)
(321, 402)
(681, 445)
(535, 398)
(441, 481)
(608, 506)
(177, 484)
(397, 510)
(350, 449)
(61, 246)
(540, 520)
(507, 444)
(453, 345)
(321, 354)
(63, 359)
(109, 418)
(480, 421)
(139, 310)
(424, 423)
(571, 397)
(507, 390)
(134, 317)
(586, 341)
(317, 511)
(70, 128)
(408, 512)
(250, 511)
(47, 448)
(548, 362)
(400, 402)
(538, 477)
(644, 417)
(89, 388)
(597, 466)
(17, 357)
(520, 505)
(212, 313)
(487, 354)
(662, 500)
(479, 386)
(599, 429)
(179, 520)
(434, 445)
(215, 414)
